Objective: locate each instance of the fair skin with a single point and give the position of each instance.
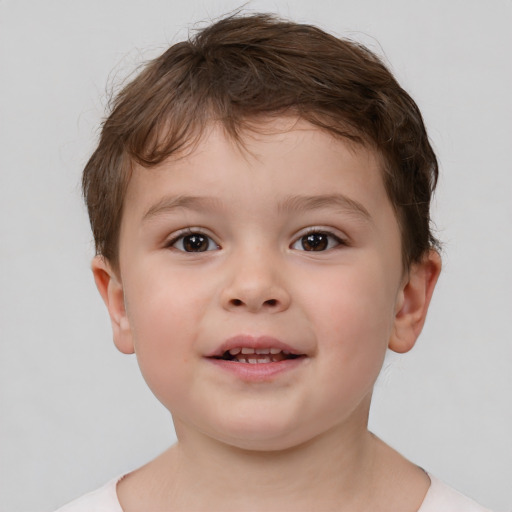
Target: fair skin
(288, 246)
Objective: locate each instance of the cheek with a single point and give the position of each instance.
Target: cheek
(160, 355)
(357, 303)
(354, 323)
(164, 327)
(164, 307)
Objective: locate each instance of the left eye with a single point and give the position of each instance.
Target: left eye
(316, 241)
(194, 242)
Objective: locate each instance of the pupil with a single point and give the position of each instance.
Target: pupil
(195, 243)
(315, 242)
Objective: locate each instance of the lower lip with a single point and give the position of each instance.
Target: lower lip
(259, 371)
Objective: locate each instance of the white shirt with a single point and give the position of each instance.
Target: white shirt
(439, 498)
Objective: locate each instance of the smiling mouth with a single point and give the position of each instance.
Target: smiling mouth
(257, 356)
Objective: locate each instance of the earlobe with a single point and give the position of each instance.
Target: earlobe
(413, 302)
(111, 290)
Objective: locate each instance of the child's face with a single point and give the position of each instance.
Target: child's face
(291, 245)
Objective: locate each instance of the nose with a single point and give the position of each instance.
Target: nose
(255, 285)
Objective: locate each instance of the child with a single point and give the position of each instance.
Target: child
(260, 204)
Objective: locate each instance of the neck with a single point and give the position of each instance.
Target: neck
(336, 467)
(346, 469)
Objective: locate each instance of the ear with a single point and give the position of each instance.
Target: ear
(111, 290)
(413, 301)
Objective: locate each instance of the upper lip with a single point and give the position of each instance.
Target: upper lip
(255, 342)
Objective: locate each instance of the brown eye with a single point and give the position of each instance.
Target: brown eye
(195, 242)
(315, 242)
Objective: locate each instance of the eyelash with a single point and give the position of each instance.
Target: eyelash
(212, 245)
(189, 232)
(330, 237)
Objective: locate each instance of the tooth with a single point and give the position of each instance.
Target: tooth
(262, 351)
(252, 361)
(241, 360)
(275, 350)
(247, 350)
(235, 351)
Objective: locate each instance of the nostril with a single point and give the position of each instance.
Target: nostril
(269, 302)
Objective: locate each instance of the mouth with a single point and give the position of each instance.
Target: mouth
(257, 350)
(257, 359)
(250, 355)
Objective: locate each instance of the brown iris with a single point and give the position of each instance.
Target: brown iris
(315, 242)
(196, 243)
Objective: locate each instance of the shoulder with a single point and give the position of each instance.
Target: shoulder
(103, 499)
(442, 498)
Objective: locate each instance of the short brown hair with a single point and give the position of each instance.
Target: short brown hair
(244, 67)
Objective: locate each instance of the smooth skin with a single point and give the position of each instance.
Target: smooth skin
(291, 236)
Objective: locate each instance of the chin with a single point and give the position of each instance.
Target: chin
(261, 444)
(261, 436)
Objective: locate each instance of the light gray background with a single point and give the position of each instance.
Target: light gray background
(73, 411)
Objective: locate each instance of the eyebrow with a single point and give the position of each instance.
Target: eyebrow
(169, 204)
(336, 201)
(290, 204)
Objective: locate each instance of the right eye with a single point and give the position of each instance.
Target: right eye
(194, 242)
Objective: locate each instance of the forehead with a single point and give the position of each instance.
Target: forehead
(288, 153)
